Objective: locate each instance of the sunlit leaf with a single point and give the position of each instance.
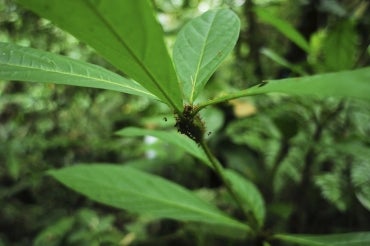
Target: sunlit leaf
(125, 33)
(345, 239)
(136, 191)
(171, 137)
(27, 64)
(201, 46)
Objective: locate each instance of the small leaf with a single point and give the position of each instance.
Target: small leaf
(360, 177)
(172, 137)
(282, 61)
(201, 46)
(284, 27)
(250, 196)
(332, 187)
(136, 191)
(125, 33)
(345, 239)
(55, 233)
(27, 64)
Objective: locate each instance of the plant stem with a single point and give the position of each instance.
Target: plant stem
(218, 168)
(243, 93)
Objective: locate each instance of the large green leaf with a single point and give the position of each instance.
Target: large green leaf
(123, 32)
(345, 239)
(284, 27)
(27, 64)
(172, 137)
(353, 84)
(201, 46)
(250, 195)
(136, 191)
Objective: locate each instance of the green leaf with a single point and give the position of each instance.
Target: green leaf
(125, 33)
(54, 234)
(345, 239)
(282, 61)
(354, 84)
(250, 195)
(360, 176)
(27, 64)
(139, 192)
(284, 27)
(339, 49)
(172, 137)
(201, 46)
(333, 189)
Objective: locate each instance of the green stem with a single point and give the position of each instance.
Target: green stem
(221, 173)
(235, 95)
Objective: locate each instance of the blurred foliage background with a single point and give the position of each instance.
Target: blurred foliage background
(310, 157)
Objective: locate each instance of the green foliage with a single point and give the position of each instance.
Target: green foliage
(322, 85)
(284, 27)
(360, 177)
(138, 50)
(250, 195)
(333, 188)
(25, 64)
(127, 188)
(201, 46)
(282, 61)
(295, 155)
(339, 46)
(174, 138)
(350, 239)
(86, 228)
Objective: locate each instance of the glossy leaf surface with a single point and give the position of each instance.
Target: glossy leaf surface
(27, 64)
(200, 47)
(345, 239)
(140, 192)
(125, 33)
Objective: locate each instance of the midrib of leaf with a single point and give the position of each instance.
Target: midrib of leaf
(199, 63)
(112, 29)
(155, 199)
(74, 74)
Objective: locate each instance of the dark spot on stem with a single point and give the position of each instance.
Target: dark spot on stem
(263, 83)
